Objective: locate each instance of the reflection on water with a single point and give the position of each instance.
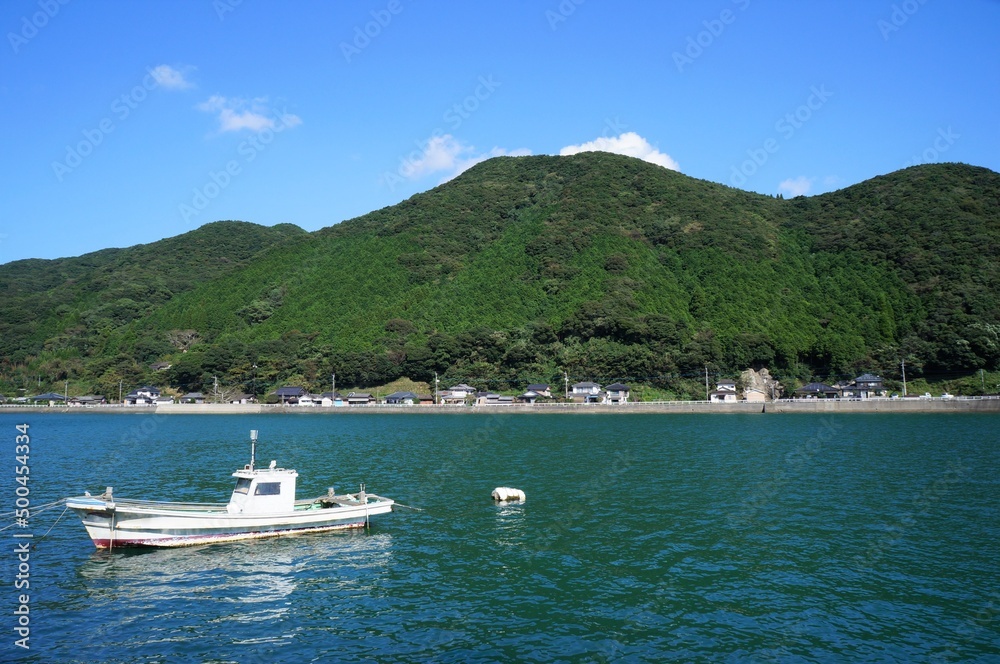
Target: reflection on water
(250, 583)
(510, 524)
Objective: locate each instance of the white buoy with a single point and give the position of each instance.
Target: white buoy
(505, 493)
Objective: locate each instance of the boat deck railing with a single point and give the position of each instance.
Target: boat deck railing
(158, 504)
(342, 500)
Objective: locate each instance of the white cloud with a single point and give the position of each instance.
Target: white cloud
(440, 153)
(793, 187)
(629, 144)
(445, 153)
(237, 114)
(169, 78)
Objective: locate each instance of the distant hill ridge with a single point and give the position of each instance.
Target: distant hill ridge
(525, 267)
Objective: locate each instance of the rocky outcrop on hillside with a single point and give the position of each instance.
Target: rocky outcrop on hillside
(760, 386)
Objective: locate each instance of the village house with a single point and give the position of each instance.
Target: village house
(541, 389)
(528, 397)
(309, 400)
(616, 393)
(462, 390)
(586, 392)
(493, 399)
(868, 386)
(87, 400)
(359, 398)
(193, 397)
(51, 397)
(724, 392)
(402, 399)
(817, 391)
(457, 395)
(143, 396)
(289, 394)
(449, 399)
(331, 399)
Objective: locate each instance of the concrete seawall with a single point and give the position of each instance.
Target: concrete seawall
(956, 405)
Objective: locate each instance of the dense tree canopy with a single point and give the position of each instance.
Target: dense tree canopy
(521, 269)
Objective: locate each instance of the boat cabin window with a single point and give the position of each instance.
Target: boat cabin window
(242, 485)
(268, 489)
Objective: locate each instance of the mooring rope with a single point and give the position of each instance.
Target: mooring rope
(36, 510)
(61, 515)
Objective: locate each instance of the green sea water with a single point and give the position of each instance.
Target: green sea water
(644, 538)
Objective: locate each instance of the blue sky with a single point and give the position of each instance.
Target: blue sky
(129, 122)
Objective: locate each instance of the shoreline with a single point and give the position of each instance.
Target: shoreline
(955, 405)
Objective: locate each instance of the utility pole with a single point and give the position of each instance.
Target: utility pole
(120, 391)
(566, 377)
(215, 379)
(333, 397)
(903, 364)
(435, 388)
(708, 396)
(66, 395)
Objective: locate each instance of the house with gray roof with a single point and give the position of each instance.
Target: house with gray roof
(816, 391)
(868, 386)
(289, 394)
(616, 393)
(402, 399)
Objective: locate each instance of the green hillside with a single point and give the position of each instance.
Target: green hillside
(599, 265)
(55, 312)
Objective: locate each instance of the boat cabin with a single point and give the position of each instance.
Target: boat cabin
(263, 490)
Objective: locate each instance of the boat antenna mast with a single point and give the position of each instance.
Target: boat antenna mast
(253, 446)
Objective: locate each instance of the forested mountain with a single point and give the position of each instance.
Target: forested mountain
(602, 266)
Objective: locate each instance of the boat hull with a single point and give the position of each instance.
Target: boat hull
(120, 524)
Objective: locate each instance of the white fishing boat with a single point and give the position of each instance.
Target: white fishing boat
(263, 504)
